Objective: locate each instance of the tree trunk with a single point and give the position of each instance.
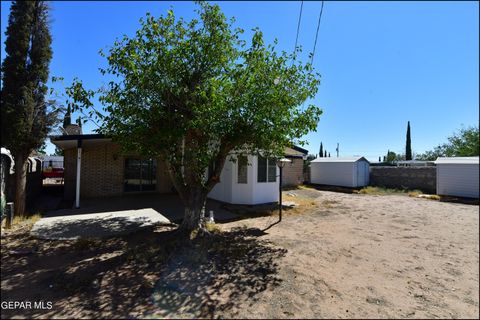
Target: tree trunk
(193, 209)
(20, 185)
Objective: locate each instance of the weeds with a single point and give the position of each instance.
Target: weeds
(26, 221)
(387, 191)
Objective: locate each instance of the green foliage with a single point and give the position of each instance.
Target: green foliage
(408, 145)
(58, 152)
(391, 156)
(320, 153)
(463, 143)
(192, 92)
(26, 115)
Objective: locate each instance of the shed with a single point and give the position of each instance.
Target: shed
(342, 171)
(458, 176)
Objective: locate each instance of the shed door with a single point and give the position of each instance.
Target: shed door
(361, 175)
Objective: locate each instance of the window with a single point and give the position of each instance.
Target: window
(242, 169)
(140, 175)
(272, 170)
(267, 170)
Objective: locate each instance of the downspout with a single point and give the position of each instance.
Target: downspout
(79, 165)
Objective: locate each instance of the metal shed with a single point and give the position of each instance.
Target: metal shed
(458, 176)
(344, 171)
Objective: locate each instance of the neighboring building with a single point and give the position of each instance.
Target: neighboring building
(52, 167)
(414, 163)
(344, 172)
(458, 176)
(293, 171)
(8, 182)
(104, 171)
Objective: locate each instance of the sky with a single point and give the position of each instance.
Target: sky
(382, 63)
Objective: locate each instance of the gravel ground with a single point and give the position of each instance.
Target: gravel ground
(364, 256)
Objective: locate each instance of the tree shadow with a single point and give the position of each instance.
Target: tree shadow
(145, 274)
(217, 274)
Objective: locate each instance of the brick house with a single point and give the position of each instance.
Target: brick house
(95, 166)
(293, 172)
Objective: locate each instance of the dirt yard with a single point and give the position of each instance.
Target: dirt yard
(344, 256)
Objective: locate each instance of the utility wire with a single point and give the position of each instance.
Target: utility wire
(298, 31)
(316, 35)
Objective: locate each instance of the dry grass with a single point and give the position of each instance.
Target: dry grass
(329, 203)
(302, 204)
(387, 191)
(22, 221)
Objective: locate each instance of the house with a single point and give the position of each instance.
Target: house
(94, 166)
(458, 176)
(293, 171)
(342, 171)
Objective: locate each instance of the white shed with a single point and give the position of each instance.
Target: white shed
(458, 176)
(247, 180)
(343, 171)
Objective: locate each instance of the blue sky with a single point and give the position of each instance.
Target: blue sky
(382, 63)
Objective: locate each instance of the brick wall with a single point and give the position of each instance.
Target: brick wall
(422, 178)
(293, 173)
(102, 172)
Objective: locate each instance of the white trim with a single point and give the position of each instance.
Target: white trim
(79, 165)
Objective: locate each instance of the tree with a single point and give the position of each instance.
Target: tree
(320, 153)
(57, 152)
(408, 145)
(329, 154)
(463, 143)
(391, 156)
(379, 159)
(192, 93)
(67, 118)
(26, 117)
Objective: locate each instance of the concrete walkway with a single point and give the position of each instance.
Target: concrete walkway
(106, 217)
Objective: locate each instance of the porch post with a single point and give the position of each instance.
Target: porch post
(79, 165)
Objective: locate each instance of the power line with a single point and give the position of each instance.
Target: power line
(316, 35)
(298, 31)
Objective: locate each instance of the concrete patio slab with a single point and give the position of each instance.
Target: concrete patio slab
(101, 225)
(106, 217)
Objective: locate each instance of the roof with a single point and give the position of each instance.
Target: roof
(292, 153)
(340, 159)
(297, 148)
(68, 141)
(457, 160)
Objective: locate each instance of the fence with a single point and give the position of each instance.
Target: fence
(421, 178)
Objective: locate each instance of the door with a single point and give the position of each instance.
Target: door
(140, 175)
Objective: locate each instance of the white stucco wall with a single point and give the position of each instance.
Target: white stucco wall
(250, 193)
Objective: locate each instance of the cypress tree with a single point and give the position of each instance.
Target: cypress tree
(321, 150)
(408, 146)
(329, 154)
(325, 154)
(25, 117)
